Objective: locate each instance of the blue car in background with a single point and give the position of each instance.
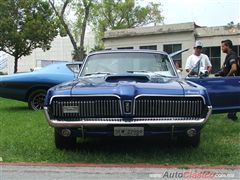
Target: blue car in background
(32, 87)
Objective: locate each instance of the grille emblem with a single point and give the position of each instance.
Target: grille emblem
(127, 106)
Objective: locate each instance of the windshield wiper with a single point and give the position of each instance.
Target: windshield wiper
(162, 75)
(133, 71)
(96, 73)
(144, 71)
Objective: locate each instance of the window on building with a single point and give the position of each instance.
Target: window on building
(237, 50)
(151, 47)
(170, 48)
(125, 48)
(214, 54)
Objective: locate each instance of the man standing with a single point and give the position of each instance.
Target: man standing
(229, 67)
(230, 63)
(205, 64)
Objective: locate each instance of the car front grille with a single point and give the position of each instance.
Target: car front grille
(149, 106)
(89, 107)
(109, 108)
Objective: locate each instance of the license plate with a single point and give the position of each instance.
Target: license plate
(128, 131)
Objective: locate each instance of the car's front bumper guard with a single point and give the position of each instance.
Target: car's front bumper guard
(119, 121)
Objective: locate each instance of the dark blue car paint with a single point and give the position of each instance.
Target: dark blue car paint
(126, 89)
(224, 92)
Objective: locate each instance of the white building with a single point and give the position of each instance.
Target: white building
(61, 50)
(173, 37)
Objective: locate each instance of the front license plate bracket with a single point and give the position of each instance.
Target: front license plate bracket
(128, 131)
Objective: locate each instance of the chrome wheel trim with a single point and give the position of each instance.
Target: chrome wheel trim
(38, 101)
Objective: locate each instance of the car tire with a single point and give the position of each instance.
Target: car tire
(191, 141)
(62, 142)
(36, 99)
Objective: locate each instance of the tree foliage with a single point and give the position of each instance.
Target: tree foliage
(232, 25)
(24, 26)
(119, 14)
(101, 15)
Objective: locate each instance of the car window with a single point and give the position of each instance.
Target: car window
(120, 63)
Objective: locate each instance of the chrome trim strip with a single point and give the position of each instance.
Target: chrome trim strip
(148, 121)
(168, 95)
(87, 95)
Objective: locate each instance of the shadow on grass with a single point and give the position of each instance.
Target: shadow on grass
(130, 145)
(16, 109)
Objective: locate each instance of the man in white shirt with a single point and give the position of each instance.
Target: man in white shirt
(205, 64)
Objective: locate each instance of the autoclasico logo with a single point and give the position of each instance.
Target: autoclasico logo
(192, 175)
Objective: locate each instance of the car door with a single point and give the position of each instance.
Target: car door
(224, 92)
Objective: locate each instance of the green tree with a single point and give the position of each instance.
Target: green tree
(24, 26)
(231, 25)
(119, 14)
(75, 29)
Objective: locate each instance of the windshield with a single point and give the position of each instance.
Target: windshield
(130, 62)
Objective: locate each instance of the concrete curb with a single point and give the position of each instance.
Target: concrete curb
(120, 165)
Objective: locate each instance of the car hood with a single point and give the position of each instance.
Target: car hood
(127, 86)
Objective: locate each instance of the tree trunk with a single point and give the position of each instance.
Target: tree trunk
(74, 43)
(61, 18)
(84, 25)
(15, 64)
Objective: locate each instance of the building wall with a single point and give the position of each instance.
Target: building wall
(185, 34)
(212, 37)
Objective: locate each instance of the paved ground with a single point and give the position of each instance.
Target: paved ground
(113, 172)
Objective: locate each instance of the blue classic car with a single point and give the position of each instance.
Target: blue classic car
(135, 93)
(32, 87)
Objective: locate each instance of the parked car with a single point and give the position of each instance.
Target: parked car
(31, 87)
(134, 93)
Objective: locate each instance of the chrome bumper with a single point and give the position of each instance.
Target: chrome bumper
(120, 121)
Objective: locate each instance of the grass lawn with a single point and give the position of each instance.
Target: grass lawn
(26, 137)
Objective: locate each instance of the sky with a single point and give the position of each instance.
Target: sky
(202, 12)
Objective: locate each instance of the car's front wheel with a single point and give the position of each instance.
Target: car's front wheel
(36, 99)
(62, 142)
